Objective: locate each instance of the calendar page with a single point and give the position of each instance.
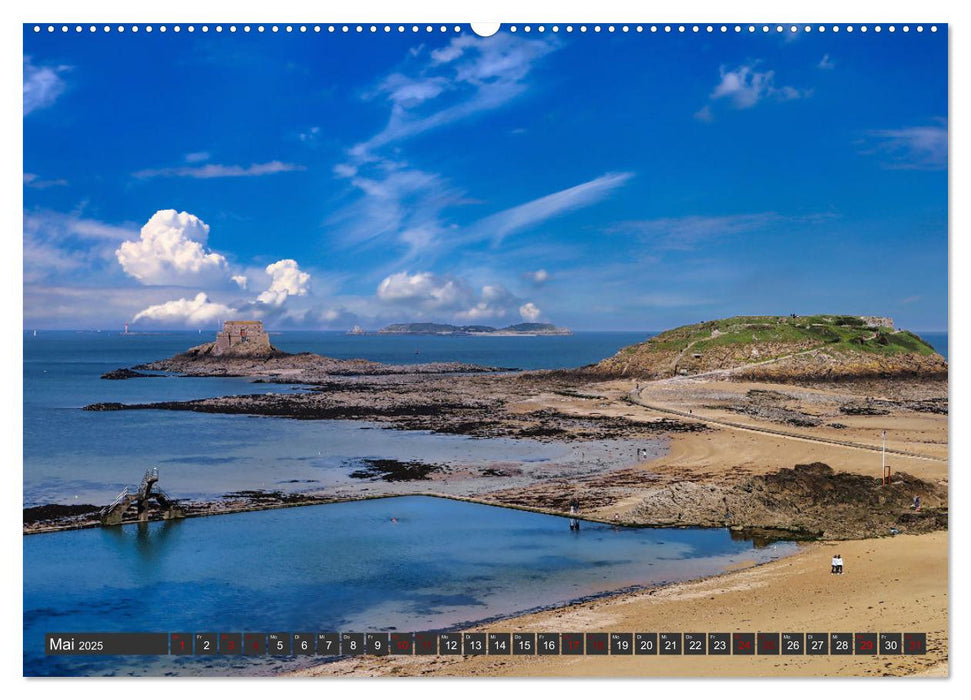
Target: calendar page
(437, 349)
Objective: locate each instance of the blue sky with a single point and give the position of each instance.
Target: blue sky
(597, 181)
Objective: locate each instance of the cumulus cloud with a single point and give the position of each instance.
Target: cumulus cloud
(240, 281)
(286, 280)
(494, 302)
(185, 312)
(427, 295)
(171, 250)
(529, 312)
(745, 86)
(42, 85)
(426, 290)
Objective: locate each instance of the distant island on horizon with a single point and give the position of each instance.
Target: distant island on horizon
(449, 329)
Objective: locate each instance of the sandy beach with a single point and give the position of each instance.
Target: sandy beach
(893, 584)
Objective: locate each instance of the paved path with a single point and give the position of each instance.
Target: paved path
(635, 398)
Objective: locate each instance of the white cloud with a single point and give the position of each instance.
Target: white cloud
(826, 63)
(42, 85)
(406, 92)
(171, 250)
(429, 91)
(197, 157)
(745, 86)
(428, 295)
(480, 74)
(240, 280)
(529, 312)
(494, 302)
(500, 225)
(425, 290)
(36, 182)
(212, 170)
(397, 202)
(286, 280)
(185, 312)
(539, 276)
(910, 148)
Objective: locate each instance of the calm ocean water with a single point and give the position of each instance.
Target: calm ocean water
(339, 567)
(77, 456)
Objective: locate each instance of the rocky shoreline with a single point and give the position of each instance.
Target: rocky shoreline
(805, 500)
(477, 406)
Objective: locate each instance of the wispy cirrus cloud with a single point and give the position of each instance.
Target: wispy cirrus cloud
(36, 182)
(42, 85)
(212, 170)
(497, 226)
(465, 77)
(684, 233)
(909, 148)
(56, 244)
(396, 201)
(197, 157)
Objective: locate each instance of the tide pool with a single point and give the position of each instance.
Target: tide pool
(393, 564)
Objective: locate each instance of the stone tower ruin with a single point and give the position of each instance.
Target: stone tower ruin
(242, 338)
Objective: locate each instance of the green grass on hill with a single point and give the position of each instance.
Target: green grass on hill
(840, 333)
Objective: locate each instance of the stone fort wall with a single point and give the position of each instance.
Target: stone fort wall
(242, 338)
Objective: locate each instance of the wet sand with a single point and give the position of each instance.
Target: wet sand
(891, 585)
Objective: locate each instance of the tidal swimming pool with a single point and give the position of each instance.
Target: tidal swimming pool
(408, 563)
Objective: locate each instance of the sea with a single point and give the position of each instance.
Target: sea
(408, 563)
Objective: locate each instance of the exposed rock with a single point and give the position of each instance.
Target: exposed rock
(56, 511)
(124, 373)
(810, 499)
(393, 470)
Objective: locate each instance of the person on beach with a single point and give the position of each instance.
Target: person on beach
(838, 561)
(574, 510)
(833, 566)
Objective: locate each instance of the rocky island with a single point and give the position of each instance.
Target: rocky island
(781, 348)
(243, 349)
